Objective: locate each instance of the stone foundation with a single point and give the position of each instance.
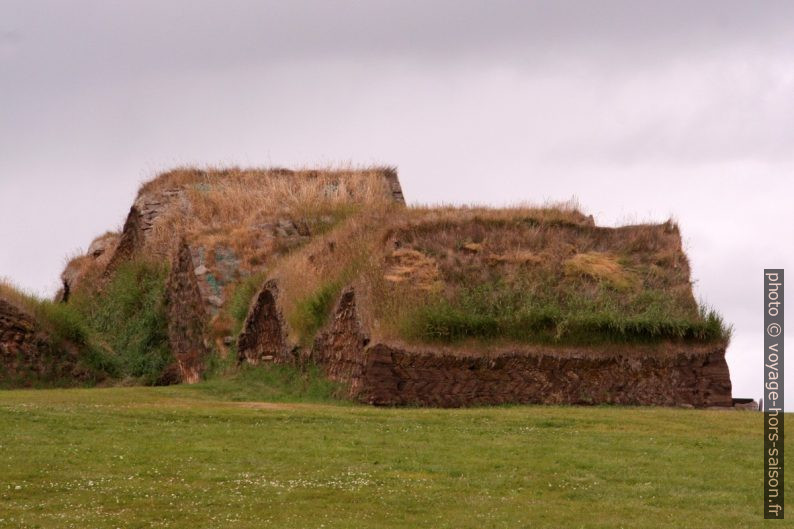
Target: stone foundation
(384, 374)
(393, 376)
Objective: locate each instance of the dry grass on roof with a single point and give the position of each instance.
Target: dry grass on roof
(244, 200)
(311, 278)
(518, 236)
(430, 217)
(183, 177)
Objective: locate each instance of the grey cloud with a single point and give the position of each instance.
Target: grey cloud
(127, 38)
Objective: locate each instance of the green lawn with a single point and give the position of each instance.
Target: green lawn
(191, 457)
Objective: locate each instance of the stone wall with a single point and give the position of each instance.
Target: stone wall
(28, 356)
(384, 374)
(394, 376)
(263, 338)
(340, 348)
(186, 320)
(130, 242)
(393, 181)
(152, 205)
(140, 221)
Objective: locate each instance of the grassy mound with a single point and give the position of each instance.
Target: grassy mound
(70, 344)
(118, 330)
(523, 275)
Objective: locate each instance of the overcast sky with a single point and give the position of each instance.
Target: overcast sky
(640, 110)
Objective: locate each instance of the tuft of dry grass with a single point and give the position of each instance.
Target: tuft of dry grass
(16, 296)
(412, 267)
(516, 257)
(600, 267)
